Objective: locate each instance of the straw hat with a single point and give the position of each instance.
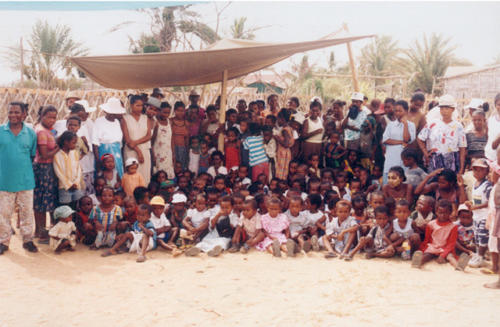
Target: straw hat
(113, 106)
(157, 201)
(85, 104)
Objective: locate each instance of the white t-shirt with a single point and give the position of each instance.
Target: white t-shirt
(493, 132)
(87, 162)
(221, 171)
(159, 222)
(335, 228)
(297, 223)
(312, 218)
(197, 217)
(480, 195)
(60, 127)
(106, 132)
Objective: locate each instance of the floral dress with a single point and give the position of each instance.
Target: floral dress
(163, 150)
(274, 227)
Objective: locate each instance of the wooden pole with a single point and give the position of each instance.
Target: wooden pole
(222, 110)
(351, 63)
(22, 62)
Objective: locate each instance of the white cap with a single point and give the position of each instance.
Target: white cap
(462, 207)
(317, 99)
(131, 161)
(179, 198)
(357, 96)
(113, 106)
(474, 104)
(86, 105)
(447, 101)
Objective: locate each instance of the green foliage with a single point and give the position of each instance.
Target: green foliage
(49, 50)
(238, 30)
(379, 58)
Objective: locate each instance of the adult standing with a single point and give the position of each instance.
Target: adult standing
(137, 132)
(445, 139)
(17, 147)
(46, 184)
(490, 151)
(107, 134)
(353, 122)
(397, 136)
(272, 102)
(312, 131)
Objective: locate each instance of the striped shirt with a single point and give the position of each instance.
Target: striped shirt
(255, 147)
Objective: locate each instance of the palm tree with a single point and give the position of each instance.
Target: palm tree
(429, 59)
(379, 57)
(238, 30)
(49, 50)
(171, 27)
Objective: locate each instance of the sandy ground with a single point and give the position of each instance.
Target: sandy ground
(83, 289)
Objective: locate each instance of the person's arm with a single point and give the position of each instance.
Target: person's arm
(306, 135)
(450, 242)
(155, 134)
(186, 222)
(462, 195)
(128, 141)
(320, 223)
(462, 152)
(45, 153)
(409, 193)
(423, 187)
(494, 144)
(427, 238)
(203, 226)
(148, 135)
(423, 148)
(462, 248)
(406, 131)
(347, 231)
(386, 137)
(259, 237)
(146, 230)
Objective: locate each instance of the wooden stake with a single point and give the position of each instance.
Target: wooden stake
(222, 110)
(351, 63)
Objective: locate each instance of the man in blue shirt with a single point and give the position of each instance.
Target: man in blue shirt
(17, 181)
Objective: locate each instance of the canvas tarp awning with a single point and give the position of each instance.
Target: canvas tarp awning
(238, 57)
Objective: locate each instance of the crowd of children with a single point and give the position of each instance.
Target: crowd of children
(288, 180)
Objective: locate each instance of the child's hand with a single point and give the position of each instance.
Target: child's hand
(436, 172)
(441, 260)
(73, 187)
(468, 204)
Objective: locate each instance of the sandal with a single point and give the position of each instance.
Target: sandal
(141, 258)
(330, 255)
(487, 271)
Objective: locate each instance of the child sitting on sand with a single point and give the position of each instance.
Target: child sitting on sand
(315, 217)
(298, 224)
(465, 239)
(196, 222)
(440, 240)
(140, 239)
(275, 226)
(404, 239)
(63, 234)
(341, 231)
(104, 219)
(423, 214)
(249, 231)
(165, 232)
(377, 243)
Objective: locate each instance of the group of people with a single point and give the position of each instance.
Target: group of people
(383, 178)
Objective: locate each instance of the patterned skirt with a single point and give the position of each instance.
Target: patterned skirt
(46, 187)
(449, 160)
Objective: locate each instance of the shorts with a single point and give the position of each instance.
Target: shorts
(66, 197)
(493, 243)
(135, 245)
(481, 234)
(166, 237)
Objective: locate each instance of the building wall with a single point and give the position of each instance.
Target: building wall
(483, 85)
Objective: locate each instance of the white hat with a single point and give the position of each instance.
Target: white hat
(357, 96)
(317, 99)
(298, 117)
(462, 207)
(72, 95)
(179, 198)
(152, 101)
(474, 104)
(85, 104)
(480, 162)
(447, 101)
(131, 161)
(113, 106)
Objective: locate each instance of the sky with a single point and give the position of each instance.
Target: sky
(473, 26)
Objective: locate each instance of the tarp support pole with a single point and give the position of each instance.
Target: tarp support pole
(351, 63)
(223, 108)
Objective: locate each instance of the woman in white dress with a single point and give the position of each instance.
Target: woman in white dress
(137, 132)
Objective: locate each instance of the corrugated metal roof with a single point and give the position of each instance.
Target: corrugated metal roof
(459, 71)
